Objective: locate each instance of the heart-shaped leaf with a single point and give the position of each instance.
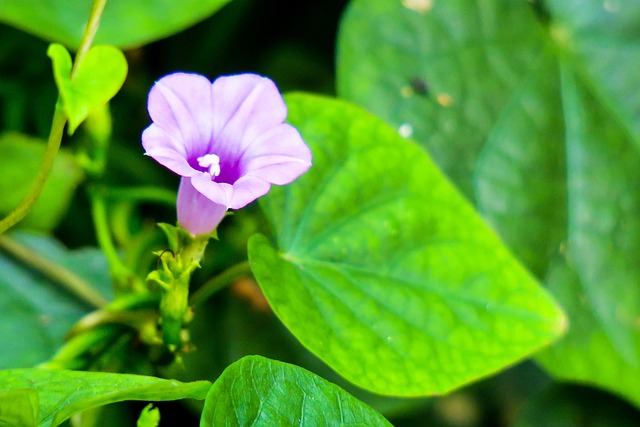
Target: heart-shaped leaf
(532, 109)
(97, 79)
(57, 394)
(266, 393)
(384, 271)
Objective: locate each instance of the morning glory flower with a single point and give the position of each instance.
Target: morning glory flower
(227, 139)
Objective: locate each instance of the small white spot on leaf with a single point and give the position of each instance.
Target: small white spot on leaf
(405, 130)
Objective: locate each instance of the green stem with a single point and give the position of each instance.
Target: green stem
(78, 351)
(57, 129)
(69, 281)
(124, 279)
(90, 31)
(25, 205)
(219, 282)
(96, 331)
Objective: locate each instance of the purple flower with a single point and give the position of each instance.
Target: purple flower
(227, 139)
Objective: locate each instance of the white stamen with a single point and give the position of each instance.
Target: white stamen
(210, 161)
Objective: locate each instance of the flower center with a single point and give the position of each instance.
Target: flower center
(211, 163)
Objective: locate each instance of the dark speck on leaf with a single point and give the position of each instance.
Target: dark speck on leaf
(419, 86)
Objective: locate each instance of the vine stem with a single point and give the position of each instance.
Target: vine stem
(218, 282)
(89, 34)
(57, 129)
(69, 280)
(27, 202)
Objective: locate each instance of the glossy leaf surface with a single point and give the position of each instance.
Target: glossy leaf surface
(384, 271)
(533, 113)
(261, 392)
(63, 393)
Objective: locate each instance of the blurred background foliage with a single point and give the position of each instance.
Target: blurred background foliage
(294, 43)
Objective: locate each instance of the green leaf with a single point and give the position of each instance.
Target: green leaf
(543, 118)
(587, 353)
(443, 73)
(63, 393)
(18, 408)
(384, 271)
(124, 23)
(21, 158)
(98, 77)
(246, 326)
(262, 392)
(601, 40)
(35, 308)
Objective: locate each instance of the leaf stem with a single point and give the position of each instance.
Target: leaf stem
(69, 280)
(218, 282)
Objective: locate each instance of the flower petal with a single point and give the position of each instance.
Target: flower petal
(166, 151)
(246, 190)
(279, 156)
(244, 106)
(180, 104)
(218, 192)
(196, 213)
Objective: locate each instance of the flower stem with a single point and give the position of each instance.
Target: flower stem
(219, 282)
(25, 205)
(69, 281)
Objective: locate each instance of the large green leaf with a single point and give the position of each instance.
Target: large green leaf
(35, 312)
(62, 393)
(443, 74)
(18, 408)
(262, 392)
(21, 158)
(124, 23)
(603, 39)
(384, 271)
(543, 105)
